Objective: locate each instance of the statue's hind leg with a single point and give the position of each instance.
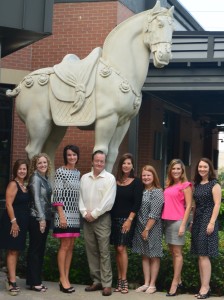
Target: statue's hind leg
(38, 131)
(53, 141)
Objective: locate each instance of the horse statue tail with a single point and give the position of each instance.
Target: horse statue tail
(13, 93)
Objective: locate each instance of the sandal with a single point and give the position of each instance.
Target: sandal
(118, 287)
(44, 287)
(204, 296)
(8, 283)
(40, 288)
(12, 288)
(151, 290)
(142, 288)
(124, 286)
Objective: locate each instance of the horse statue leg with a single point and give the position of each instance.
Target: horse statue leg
(33, 108)
(104, 131)
(38, 132)
(114, 145)
(52, 142)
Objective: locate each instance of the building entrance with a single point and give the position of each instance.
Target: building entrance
(6, 108)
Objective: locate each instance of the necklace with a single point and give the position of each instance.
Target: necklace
(123, 181)
(20, 184)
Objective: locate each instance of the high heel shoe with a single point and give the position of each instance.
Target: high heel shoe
(12, 288)
(64, 290)
(204, 296)
(172, 294)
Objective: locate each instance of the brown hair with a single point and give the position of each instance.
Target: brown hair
(120, 173)
(183, 178)
(74, 149)
(34, 160)
(16, 166)
(211, 174)
(155, 183)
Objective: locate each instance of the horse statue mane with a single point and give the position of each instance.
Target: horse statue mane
(151, 15)
(103, 89)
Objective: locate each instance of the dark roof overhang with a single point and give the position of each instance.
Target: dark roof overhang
(23, 23)
(194, 79)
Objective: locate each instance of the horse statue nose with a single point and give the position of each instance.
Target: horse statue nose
(161, 58)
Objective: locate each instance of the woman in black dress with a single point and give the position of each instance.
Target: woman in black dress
(14, 221)
(204, 241)
(127, 203)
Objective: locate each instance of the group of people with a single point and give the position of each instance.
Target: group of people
(123, 211)
(30, 198)
(139, 224)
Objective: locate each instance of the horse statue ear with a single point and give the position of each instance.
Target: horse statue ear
(157, 7)
(171, 10)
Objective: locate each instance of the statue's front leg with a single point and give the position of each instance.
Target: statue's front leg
(114, 145)
(104, 131)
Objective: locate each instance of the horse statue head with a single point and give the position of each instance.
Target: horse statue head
(158, 29)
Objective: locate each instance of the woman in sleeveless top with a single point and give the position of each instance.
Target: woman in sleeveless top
(127, 203)
(14, 221)
(204, 231)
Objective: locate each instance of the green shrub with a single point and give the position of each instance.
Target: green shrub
(79, 273)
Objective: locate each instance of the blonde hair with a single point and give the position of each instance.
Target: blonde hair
(155, 183)
(183, 177)
(34, 160)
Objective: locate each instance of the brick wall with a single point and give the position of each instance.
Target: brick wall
(19, 60)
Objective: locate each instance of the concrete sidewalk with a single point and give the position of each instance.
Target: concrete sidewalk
(54, 293)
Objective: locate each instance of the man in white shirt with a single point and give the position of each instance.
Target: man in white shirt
(97, 195)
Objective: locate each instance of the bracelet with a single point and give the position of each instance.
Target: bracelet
(212, 223)
(131, 219)
(191, 222)
(146, 229)
(13, 220)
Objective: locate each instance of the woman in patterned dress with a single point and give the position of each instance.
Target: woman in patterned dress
(204, 240)
(127, 203)
(67, 218)
(176, 211)
(147, 239)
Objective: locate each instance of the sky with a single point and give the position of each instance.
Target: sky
(208, 13)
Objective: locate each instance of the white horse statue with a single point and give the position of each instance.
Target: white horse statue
(103, 89)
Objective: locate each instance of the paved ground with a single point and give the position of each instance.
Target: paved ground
(54, 293)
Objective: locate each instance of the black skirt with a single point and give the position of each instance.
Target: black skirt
(118, 238)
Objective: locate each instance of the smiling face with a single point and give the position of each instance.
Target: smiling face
(147, 178)
(72, 158)
(42, 165)
(98, 163)
(176, 172)
(22, 172)
(127, 166)
(203, 170)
